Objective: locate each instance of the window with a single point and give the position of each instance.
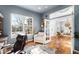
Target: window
(61, 21)
(21, 24)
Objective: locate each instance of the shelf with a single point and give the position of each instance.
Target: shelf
(1, 26)
(0, 22)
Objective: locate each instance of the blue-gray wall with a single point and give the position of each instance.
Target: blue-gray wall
(76, 18)
(76, 26)
(6, 10)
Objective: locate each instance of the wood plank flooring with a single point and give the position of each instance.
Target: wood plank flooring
(64, 49)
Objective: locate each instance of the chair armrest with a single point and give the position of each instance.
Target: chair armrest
(35, 36)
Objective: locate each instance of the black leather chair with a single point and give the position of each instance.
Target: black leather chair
(20, 43)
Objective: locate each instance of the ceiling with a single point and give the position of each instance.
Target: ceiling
(38, 8)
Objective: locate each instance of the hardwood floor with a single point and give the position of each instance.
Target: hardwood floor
(65, 47)
(32, 43)
(65, 44)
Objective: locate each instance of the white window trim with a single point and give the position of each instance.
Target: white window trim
(63, 12)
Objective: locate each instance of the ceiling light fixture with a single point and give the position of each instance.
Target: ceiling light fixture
(46, 7)
(39, 8)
